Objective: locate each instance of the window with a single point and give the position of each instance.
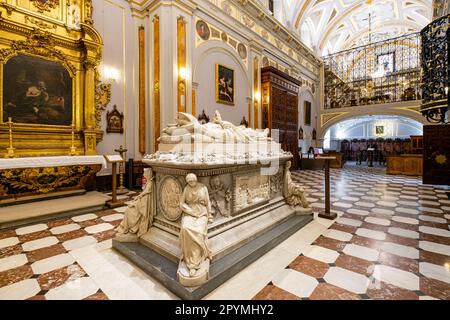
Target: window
(271, 6)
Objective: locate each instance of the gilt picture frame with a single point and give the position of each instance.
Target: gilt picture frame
(307, 113)
(225, 83)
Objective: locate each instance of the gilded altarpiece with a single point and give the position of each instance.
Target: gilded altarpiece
(49, 54)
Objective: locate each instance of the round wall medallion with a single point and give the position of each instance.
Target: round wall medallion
(202, 30)
(242, 50)
(224, 36)
(169, 198)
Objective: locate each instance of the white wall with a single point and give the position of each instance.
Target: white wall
(112, 18)
(207, 56)
(306, 95)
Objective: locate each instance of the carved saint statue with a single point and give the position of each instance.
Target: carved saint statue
(294, 193)
(139, 215)
(196, 207)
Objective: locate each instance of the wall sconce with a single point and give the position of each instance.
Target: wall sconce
(183, 73)
(446, 91)
(257, 95)
(110, 74)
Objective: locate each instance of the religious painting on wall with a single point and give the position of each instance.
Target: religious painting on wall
(224, 85)
(307, 113)
(379, 130)
(114, 121)
(202, 30)
(36, 91)
(386, 63)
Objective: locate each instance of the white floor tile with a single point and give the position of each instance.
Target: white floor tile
(435, 231)
(372, 234)
(407, 210)
(52, 263)
(7, 242)
(84, 217)
(31, 229)
(20, 290)
(65, 228)
(404, 233)
(433, 271)
(387, 204)
(435, 247)
(113, 217)
(342, 205)
(379, 221)
(400, 250)
(408, 203)
(432, 210)
(429, 203)
(99, 228)
(424, 217)
(338, 235)
(350, 198)
(12, 262)
(321, 254)
(396, 277)
(79, 242)
(382, 211)
(405, 220)
(77, 289)
(348, 280)
(364, 204)
(295, 282)
(358, 212)
(349, 222)
(39, 243)
(361, 252)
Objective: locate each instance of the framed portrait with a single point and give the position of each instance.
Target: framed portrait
(307, 113)
(36, 91)
(386, 62)
(379, 130)
(202, 30)
(224, 85)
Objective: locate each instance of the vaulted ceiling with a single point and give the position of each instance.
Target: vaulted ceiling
(329, 26)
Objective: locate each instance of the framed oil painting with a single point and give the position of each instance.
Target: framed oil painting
(202, 29)
(307, 113)
(379, 130)
(36, 91)
(224, 85)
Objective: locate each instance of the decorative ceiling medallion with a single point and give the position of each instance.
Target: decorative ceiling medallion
(224, 36)
(242, 50)
(45, 5)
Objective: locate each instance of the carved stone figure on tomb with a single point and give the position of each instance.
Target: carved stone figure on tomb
(218, 130)
(138, 217)
(195, 255)
(220, 197)
(294, 193)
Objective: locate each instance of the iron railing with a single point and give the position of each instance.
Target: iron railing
(381, 72)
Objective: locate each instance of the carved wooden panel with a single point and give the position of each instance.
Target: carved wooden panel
(436, 144)
(280, 108)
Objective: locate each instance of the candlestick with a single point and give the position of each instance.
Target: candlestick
(122, 189)
(10, 153)
(72, 147)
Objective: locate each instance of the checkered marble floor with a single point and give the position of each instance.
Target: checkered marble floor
(39, 261)
(391, 240)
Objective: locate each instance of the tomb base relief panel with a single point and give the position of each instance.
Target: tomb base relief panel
(206, 211)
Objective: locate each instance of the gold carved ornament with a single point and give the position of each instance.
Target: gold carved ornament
(39, 43)
(45, 5)
(42, 180)
(102, 98)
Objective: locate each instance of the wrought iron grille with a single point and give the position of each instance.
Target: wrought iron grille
(381, 72)
(436, 69)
